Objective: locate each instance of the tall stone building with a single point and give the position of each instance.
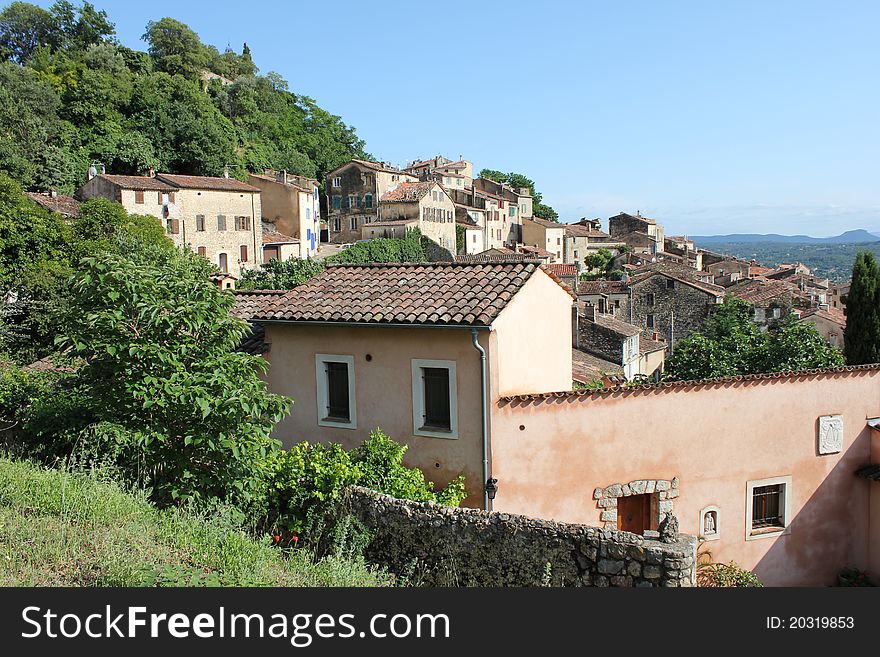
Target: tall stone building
(291, 208)
(623, 225)
(353, 192)
(219, 218)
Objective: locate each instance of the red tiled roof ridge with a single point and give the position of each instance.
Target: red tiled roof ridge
(693, 383)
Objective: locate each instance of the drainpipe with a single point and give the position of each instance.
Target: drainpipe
(485, 404)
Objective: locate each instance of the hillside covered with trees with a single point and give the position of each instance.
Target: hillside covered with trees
(71, 95)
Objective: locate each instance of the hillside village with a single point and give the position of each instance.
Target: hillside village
(525, 366)
(518, 316)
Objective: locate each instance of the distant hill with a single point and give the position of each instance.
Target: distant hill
(849, 237)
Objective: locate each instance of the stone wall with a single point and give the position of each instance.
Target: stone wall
(689, 305)
(435, 545)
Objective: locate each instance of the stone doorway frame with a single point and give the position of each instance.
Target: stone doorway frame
(606, 498)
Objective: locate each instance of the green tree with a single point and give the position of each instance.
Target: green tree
(176, 48)
(731, 344)
(186, 415)
(280, 274)
(862, 333)
(23, 27)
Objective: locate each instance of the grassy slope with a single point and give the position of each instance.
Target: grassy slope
(65, 529)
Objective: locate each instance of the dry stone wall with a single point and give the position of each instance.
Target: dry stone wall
(436, 545)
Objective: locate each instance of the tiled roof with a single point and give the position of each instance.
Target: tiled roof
(682, 273)
(408, 192)
(548, 224)
(756, 379)
(561, 270)
(66, 206)
(586, 368)
(647, 345)
(439, 294)
(292, 181)
(537, 250)
(391, 222)
(496, 255)
(601, 287)
(208, 183)
(616, 326)
(835, 315)
(139, 183)
(759, 290)
(278, 238)
(647, 220)
(579, 230)
(249, 303)
(377, 166)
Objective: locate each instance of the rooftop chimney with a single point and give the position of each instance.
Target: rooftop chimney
(93, 171)
(590, 312)
(226, 171)
(151, 172)
(53, 193)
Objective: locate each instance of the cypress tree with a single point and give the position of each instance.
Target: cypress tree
(862, 333)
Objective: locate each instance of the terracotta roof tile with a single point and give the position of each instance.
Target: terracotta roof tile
(561, 270)
(141, 183)
(428, 293)
(207, 183)
(586, 368)
(66, 206)
(408, 192)
(270, 237)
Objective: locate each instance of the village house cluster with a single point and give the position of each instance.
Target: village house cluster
(484, 363)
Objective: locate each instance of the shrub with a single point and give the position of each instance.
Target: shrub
(306, 482)
(726, 575)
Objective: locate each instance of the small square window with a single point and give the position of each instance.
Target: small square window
(670, 283)
(139, 197)
(650, 298)
(337, 182)
(768, 507)
(221, 222)
(649, 321)
(200, 222)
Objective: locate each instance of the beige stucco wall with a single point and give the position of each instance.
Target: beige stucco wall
(714, 439)
(383, 391)
(293, 211)
(831, 331)
(192, 202)
(874, 517)
(533, 335)
(550, 239)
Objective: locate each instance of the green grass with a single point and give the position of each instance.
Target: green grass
(60, 528)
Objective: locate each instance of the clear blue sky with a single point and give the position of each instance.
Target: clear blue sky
(712, 117)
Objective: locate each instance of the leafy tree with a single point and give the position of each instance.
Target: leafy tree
(731, 344)
(412, 248)
(280, 274)
(175, 48)
(184, 413)
(23, 27)
(862, 333)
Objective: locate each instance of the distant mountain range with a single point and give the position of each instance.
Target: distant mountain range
(849, 237)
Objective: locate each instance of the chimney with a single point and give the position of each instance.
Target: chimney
(93, 171)
(226, 171)
(284, 176)
(103, 169)
(53, 193)
(590, 312)
(151, 173)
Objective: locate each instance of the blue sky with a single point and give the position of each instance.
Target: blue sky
(712, 117)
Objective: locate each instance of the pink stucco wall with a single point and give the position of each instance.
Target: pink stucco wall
(714, 438)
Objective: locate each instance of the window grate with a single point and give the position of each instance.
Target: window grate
(767, 507)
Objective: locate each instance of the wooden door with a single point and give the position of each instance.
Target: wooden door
(634, 513)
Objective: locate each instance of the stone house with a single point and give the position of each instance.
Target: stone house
(608, 297)
(219, 218)
(770, 300)
(277, 246)
(66, 206)
(830, 322)
(422, 205)
(621, 343)
(584, 239)
(777, 472)
(623, 226)
(838, 293)
(544, 234)
(353, 191)
(669, 305)
(291, 205)
(514, 205)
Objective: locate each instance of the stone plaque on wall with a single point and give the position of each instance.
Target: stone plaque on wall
(830, 434)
